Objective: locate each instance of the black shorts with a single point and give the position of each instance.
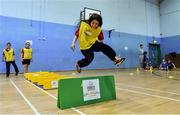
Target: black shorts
(170, 67)
(26, 61)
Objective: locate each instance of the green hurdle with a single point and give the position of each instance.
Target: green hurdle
(75, 92)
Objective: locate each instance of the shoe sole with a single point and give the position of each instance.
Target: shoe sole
(121, 61)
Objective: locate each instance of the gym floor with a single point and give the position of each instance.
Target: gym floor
(137, 93)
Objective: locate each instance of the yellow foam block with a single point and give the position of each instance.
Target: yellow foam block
(44, 72)
(41, 77)
(48, 80)
(51, 83)
(33, 74)
(41, 81)
(30, 76)
(37, 75)
(26, 75)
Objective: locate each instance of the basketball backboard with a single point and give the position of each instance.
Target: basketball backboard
(88, 12)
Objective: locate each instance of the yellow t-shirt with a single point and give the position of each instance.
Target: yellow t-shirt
(27, 53)
(9, 55)
(87, 36)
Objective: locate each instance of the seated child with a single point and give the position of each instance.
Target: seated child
(163, 65)
(170, 65)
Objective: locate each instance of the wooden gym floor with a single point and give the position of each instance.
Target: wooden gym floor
(137, 93)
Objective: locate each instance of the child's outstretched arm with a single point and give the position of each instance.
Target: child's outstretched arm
(74, 42)
(3, 57)
(75, 39)
(22, 53)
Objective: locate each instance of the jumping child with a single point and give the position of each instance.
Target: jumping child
(90, 37)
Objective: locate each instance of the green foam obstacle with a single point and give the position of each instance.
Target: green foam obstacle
(75, 92)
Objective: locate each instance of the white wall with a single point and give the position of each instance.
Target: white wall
(153, 19)
(139, 17)
(129, 16)
(170, 18)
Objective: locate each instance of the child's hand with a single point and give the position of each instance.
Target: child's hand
(73, 46)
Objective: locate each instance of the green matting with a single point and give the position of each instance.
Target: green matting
(70, 91)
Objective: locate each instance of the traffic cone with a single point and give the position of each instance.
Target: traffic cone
(137, 70)
(151, 69)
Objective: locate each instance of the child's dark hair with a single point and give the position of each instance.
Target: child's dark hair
(97, 17)
(8, 43)
(145, 53)
(91, 18)
(28, 43)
